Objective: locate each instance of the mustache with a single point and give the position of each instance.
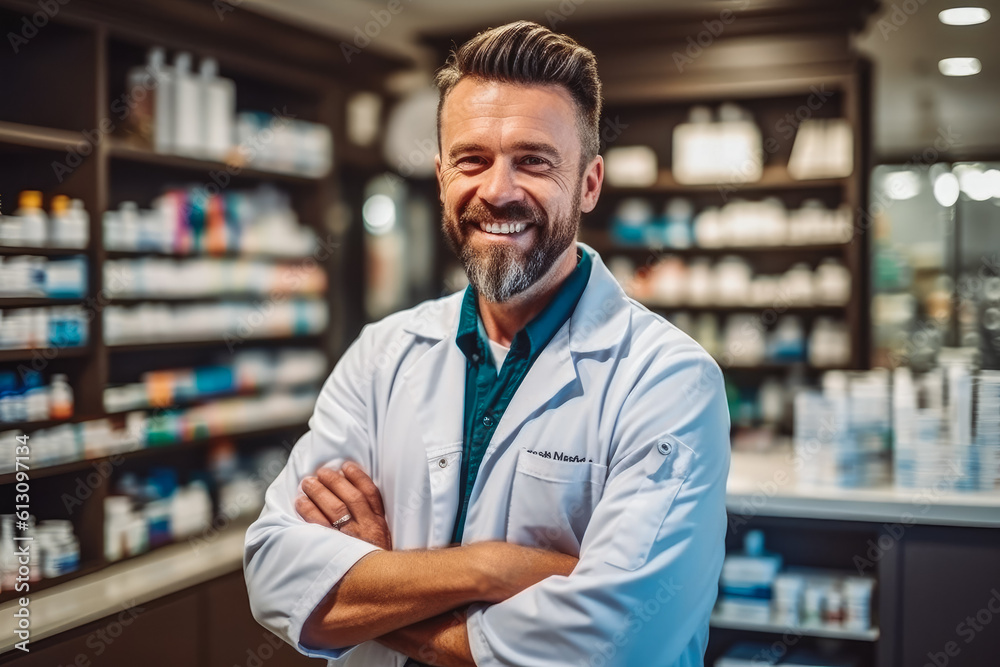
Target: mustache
(476, 213)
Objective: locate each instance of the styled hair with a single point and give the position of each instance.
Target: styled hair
(524, 52)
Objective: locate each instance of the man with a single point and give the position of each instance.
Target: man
(569, 445)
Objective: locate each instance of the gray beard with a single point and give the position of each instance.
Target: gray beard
(501, 275)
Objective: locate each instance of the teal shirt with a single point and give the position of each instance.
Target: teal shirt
(487, 393)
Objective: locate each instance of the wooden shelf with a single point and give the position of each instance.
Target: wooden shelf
(774, 178)
(123, 152)
(781, 310)
(229, 254)
(37, 302)
(84, 464)
(869, 635)
(605, 245)
(206, 298)
(28, 427)
(774, 367)
(50, 353)
(6, 251)
(31, 136)
(172, 345)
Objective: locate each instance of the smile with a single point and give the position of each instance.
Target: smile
(503, 227)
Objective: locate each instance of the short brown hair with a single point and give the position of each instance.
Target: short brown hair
(528, 53)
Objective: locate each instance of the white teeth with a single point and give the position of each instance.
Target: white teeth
(503, 228)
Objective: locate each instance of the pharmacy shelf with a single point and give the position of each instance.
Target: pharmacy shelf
(744, 308)
(831, 632)
(32, 136)
(37, 302)
(46, 353)
(209, 298)
(8, 251)
(240, 393)
(228, 254)
(117, 586)
(773, 178)
(774, 367)
(70, 467)
(766, 485)
(28, 427)
(606, 246)
(220, 342)
(119, 151)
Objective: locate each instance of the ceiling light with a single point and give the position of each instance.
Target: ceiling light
(964, 16)
(946, 189)
(960, 66)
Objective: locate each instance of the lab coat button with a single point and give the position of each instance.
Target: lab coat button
(487, 421)
(663, 447)
(443, 463)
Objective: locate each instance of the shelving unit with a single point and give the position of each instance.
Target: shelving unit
(828, 632)
(48, 144)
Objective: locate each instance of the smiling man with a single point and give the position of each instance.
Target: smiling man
(529, 472)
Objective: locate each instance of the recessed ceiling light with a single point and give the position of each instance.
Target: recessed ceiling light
(960, 66)
(964, 16)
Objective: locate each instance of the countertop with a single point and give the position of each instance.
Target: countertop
(134, 581)
(766, 485)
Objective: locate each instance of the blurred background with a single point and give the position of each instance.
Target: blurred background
(204, 201)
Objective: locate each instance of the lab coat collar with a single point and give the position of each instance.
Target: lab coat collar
(600, 321)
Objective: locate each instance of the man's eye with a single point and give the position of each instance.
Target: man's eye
(534, 161)
(470, 161)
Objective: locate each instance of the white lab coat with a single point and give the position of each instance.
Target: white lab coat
(636, 406)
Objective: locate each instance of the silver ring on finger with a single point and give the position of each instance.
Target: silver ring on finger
(341, 521)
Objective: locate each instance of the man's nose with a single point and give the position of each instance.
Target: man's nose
(499, 186)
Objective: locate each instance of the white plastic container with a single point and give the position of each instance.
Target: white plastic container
(218, 98)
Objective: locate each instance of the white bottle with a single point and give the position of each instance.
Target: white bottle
(33, 221)
(60, 398)
(8, 557)
(76, 233)
(163, 100)
(187, 107)
(218, 96)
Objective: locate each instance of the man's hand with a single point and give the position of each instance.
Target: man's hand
(334, 494)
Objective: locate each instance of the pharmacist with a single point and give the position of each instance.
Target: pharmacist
(571, 445)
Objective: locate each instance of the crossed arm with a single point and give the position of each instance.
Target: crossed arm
(410, 601)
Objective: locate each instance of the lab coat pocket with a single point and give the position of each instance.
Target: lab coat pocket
(444, 467)
(659, 476)
(551, 502)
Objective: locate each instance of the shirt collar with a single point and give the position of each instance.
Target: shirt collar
(471, 338)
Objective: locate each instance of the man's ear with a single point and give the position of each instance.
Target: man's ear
(437, 175)
(590, 184)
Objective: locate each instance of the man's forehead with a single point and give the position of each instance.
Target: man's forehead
(477, 102)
